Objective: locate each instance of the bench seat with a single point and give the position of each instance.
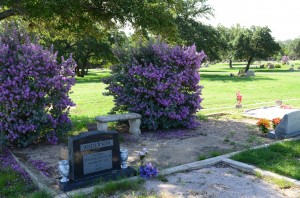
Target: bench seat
(133, 119)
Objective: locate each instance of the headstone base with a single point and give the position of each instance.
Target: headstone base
(115, 175)
(273, 135)
(238, 106)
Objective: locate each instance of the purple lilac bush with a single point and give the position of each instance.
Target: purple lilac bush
(159, 82)
(34, 101)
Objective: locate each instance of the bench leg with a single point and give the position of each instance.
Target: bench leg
(135, 127)
(102, 126)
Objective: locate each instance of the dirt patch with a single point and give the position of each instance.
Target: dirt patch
(170, 148)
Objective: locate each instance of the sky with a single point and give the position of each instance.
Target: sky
(281, 16)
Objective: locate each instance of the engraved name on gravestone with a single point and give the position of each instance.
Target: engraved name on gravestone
(93, 153)
(289, 126)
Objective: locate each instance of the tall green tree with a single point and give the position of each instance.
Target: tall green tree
(157, 16)
(205, 37)
(254, 42)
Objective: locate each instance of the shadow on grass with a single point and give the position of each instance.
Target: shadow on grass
(217, 77)
(81, 124)
(275, 71)
(92, 77)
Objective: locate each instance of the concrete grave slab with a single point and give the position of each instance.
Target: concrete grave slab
(268, 112)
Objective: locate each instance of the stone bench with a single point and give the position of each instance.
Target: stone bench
(134, 120)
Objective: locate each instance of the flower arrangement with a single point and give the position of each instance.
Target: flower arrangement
(285, 107)
(146, 171)
(275, 122)
(263, 124)
(239, 97)
(142, 155)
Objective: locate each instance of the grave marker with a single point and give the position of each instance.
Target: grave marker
(288, 127)
(94, 155)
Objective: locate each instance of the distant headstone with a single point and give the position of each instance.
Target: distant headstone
(250, 73)
(271, 66)
(288, 127)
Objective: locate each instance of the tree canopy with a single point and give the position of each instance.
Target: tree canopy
(89, 28)
(291, 48)
(205, 37)
(155, 15)
(254, 42)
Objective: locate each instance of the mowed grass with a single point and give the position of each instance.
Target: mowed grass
(281, 158)
(265, 87)
(89, 100)
(219, 91)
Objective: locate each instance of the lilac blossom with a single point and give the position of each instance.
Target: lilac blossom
(34, 101)
(43, 167)
(159, 82)
(8, 161)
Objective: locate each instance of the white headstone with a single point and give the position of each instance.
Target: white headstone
(289, 126)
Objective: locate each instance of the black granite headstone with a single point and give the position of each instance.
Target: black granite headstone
(93, 153)
(94, 156)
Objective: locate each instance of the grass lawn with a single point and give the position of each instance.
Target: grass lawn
(281, 158)
(219, 91)
(267, 86)
(13, 185)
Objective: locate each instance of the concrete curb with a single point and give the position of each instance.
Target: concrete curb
(37, 177)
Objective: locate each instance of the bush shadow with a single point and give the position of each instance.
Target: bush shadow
(235, 78)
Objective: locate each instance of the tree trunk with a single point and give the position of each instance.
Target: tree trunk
(249, 63)
(77, 70)
(230, 63)
(82, 73)
(6, 14)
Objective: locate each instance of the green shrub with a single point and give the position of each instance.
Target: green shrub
(277, 66)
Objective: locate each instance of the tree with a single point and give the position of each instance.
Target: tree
(254, 42)
(156, 15)
(87, 49)
(290, 48)
(227, 35)
(205, 37)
